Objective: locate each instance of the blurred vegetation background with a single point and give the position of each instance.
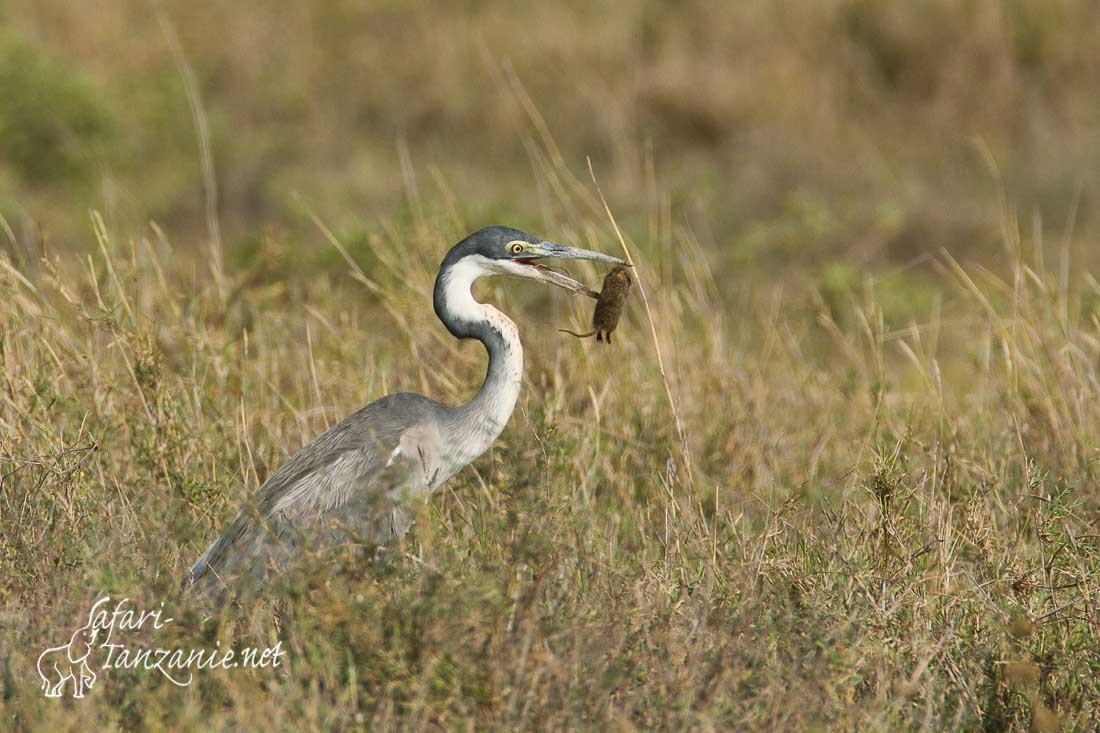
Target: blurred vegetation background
(830, 134)
(866, 230)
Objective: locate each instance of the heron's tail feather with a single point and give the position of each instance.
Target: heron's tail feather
(207, 564)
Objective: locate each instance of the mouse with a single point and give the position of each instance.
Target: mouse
(609, 306)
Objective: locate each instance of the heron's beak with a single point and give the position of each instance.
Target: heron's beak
(563, 252)
(528, 267)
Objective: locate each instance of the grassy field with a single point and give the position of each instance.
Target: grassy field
(865, 232)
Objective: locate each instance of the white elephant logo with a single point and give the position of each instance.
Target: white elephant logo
(60, 664)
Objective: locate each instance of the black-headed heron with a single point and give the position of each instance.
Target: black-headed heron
(354, 480)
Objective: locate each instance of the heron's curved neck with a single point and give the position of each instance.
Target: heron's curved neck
(481, 420)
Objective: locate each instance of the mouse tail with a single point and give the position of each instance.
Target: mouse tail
(578, 335)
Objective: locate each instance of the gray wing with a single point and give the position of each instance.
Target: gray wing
(351, 484)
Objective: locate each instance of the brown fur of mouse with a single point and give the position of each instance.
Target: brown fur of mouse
(609, 306)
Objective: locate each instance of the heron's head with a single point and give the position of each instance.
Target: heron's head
(506, 251)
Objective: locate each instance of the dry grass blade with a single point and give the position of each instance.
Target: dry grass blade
(681, 432)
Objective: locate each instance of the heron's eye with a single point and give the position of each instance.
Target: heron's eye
(515, 247)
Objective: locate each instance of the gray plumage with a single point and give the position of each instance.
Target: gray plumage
(354, 483)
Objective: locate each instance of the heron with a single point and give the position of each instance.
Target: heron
(356, 481)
